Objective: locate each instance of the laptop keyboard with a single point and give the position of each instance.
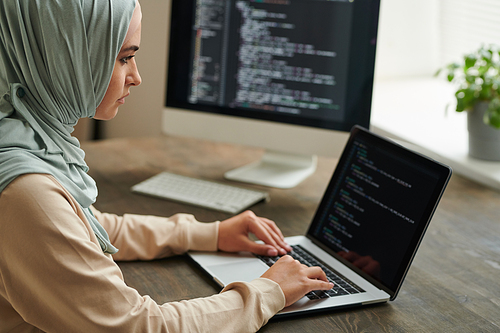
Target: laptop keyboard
(342, 285)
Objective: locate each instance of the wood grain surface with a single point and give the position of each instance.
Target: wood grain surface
(452, 286)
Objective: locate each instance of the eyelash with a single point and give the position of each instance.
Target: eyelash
(126, 59)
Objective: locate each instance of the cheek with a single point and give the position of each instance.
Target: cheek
(115, 88)
(109, 102)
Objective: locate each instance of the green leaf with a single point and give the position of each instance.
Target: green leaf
(486, 55)
(470, 78)
(478, 79)
(492, 114)
(486, 91)
(483, 70)
(470, 60)
(460, 101)
(494, 120)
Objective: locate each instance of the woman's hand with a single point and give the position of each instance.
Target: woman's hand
(233, 235)
(296, 279)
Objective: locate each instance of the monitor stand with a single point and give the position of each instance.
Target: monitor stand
(275, 169)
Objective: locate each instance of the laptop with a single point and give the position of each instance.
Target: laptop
(366, 230)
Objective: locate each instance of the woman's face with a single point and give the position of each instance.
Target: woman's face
(125, 75)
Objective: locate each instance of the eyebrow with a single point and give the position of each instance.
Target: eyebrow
(130, 48)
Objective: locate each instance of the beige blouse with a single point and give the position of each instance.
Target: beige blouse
(54, 276)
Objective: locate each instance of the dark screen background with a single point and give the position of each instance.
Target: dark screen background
(347, 29)
(377, 205)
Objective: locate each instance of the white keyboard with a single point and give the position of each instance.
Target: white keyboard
(204, 193)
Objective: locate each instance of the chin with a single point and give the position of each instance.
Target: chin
(108, 115)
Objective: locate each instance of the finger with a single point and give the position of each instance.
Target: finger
(320, 285)
(316, 273)
(318, 279)
(262, 249)
(271, 224)
(275, 232)
(285, 259)
(262, 233)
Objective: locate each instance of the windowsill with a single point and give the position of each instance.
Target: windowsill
(413, 112)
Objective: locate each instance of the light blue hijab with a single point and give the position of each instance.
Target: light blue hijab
(56, 61)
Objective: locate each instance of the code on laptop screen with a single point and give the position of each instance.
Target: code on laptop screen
(377, 207)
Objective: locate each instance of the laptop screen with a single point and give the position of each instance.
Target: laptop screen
(377, 207)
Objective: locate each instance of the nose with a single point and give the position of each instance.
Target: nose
(134, 78)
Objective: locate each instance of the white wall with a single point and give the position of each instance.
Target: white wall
(408, 38)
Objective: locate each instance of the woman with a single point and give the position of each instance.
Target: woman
(62, 60)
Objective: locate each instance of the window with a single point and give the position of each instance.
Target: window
(466, 24)
(415, 39)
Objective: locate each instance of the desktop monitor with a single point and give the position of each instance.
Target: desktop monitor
(291, 76)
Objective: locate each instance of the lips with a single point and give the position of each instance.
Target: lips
(122, 100)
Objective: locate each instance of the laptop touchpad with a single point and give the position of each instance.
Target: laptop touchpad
(245, 271)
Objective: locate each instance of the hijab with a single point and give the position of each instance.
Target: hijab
(56, 61)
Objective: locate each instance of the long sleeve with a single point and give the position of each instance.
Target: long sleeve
(151, 237)
(54, 276)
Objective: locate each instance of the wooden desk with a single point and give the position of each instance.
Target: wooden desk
(452, 286)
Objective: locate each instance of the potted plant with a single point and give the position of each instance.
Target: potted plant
(477, 78)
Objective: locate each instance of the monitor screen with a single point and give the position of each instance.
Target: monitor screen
(303, 62)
